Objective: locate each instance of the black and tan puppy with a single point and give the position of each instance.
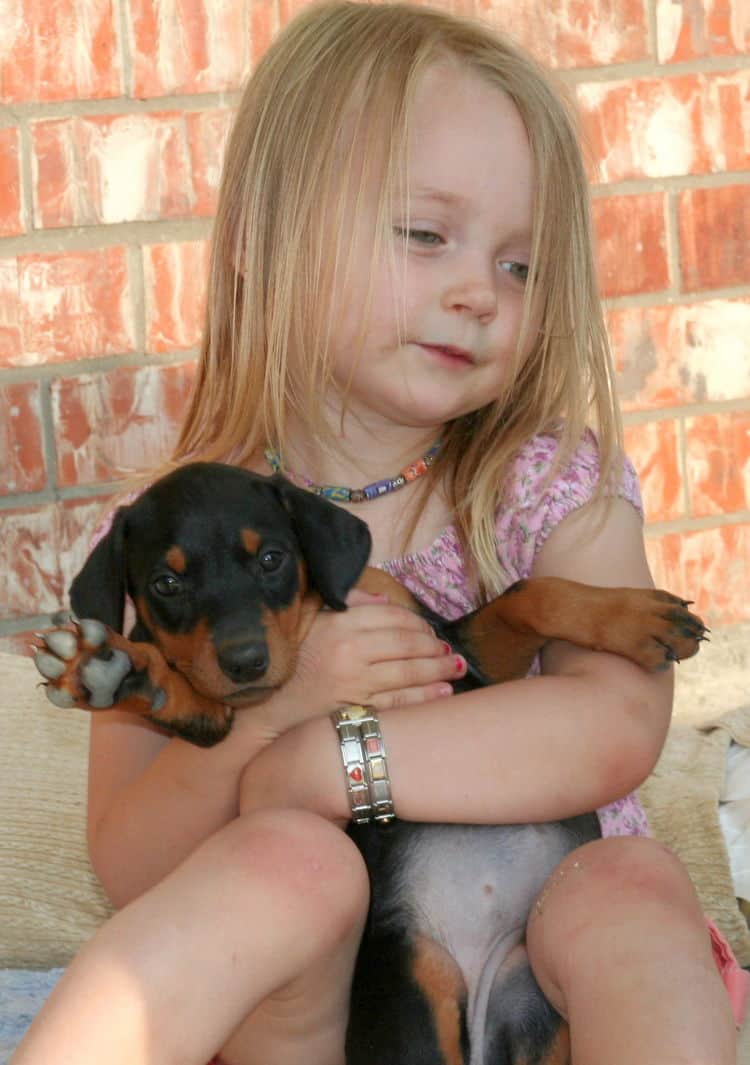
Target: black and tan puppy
(227, 570)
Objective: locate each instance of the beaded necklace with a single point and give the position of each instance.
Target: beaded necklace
(356, 495)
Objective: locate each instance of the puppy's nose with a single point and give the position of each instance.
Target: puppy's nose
(244, 661)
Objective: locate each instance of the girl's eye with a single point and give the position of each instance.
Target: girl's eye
(419, 236)
(167, 585)
(518, 270)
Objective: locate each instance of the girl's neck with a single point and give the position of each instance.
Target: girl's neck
(359, 455)
(362, 455)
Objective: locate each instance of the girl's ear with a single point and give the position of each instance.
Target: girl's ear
(99, 589)
(335, 544)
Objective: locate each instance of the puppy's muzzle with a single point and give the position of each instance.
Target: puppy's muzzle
(243, 663)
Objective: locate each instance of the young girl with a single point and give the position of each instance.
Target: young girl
(402, 267)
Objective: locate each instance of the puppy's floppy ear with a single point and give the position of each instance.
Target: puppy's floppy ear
(99, 589)
(336, 545)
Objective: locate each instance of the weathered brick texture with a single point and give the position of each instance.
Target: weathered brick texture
(117, 113)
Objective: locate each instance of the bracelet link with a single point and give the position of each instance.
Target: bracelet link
(365, 765)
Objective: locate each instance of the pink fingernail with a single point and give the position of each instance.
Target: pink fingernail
(460, 663)
(445, 689)
(447, 649)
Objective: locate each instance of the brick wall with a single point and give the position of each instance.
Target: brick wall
(112, 119)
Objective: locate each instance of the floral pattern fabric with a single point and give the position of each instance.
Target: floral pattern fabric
(534, 507)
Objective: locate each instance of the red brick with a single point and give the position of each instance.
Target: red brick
(21, 440)
(689, 29)
(41, 550)
(656, 127)
(632, 244)
(61, 50)
(11, 217)
(208, 132)
(718, 462)
(714, 232)
(175, 278)
(117, 424)
(709, 566)
(75, 305)
(561, 33)
(30, 578)
(264, 21)
(11, 344)
(111, 168)
(676, 355)
(199, 46)
(652, 447)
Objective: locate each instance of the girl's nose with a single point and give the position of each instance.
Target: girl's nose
(474, 293)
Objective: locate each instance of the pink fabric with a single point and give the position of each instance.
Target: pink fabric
(437, 575)
(736, 980)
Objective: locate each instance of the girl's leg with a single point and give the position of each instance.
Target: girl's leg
(168, 980)
(619, 944)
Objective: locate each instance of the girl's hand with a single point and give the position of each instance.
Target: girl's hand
(375, 652)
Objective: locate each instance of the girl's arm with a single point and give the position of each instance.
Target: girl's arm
(586, 732)
(152, 800)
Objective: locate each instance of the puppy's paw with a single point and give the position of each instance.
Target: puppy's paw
(79, 666)
(674, 632)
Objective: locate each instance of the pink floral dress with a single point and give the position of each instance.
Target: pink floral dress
(437, 576)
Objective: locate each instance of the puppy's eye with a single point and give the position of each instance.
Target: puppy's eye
(270, 559)
(167, 585)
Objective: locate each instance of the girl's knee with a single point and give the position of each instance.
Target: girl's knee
(300, 855)
(616, 871)
(618, 881)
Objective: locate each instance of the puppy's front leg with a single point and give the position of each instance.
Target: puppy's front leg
(646, 625)
(92, 667)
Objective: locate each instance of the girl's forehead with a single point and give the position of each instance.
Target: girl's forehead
(465, 137)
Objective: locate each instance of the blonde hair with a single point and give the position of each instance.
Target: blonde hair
(343, 74)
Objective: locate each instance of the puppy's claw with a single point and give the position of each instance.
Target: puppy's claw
(51, 667)
(63, 644)
(61, 699)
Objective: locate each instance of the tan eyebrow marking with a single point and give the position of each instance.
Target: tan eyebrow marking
(176, 559)
(250, 541)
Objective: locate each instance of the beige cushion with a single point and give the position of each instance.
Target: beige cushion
(681, 797)
(50, 901)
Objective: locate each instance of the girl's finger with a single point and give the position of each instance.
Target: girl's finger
(388, 645)
(356, 597)
(379, 614)
(399, 675)
(410, 696)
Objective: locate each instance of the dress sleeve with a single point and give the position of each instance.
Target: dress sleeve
(534, 505)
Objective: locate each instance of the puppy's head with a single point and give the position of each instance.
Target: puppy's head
(226, 570)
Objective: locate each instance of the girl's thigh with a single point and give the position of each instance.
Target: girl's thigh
(317, 875)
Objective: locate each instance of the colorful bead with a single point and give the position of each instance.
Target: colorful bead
(340, 494)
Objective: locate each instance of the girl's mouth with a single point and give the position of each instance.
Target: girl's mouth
(449, 355)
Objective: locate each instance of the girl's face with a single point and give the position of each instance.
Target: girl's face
(455, 280)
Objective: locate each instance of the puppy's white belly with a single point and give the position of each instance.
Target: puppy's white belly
(470, 888)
